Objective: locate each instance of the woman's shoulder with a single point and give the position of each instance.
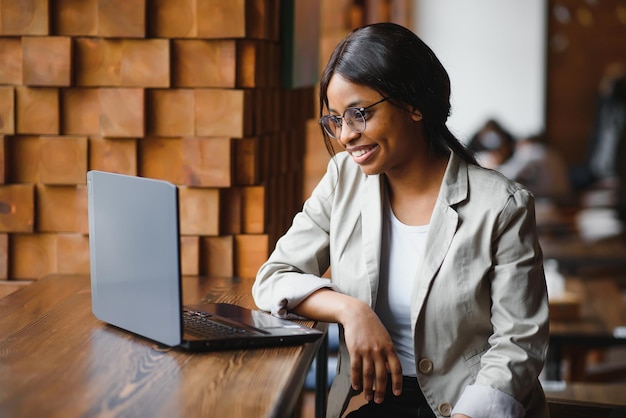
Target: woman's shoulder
(494, 189)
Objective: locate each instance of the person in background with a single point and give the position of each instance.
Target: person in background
(539, 168)
(437, 276)
(493, 145)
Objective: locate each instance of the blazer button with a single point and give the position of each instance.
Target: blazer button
(445, 409)
(425, 366)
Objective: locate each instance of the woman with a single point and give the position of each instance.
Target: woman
(437, 275)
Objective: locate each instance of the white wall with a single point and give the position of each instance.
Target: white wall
(494, 52)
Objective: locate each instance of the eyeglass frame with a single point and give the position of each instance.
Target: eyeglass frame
(340, 119)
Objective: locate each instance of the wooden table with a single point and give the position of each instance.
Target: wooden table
(58, 360)
(602, 316)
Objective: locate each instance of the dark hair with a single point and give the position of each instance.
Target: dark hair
(394, 61)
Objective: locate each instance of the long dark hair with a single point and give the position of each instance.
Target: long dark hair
(394, 61)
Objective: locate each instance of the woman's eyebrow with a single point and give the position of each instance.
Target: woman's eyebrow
(356, 103)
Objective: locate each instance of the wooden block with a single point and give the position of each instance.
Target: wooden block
(32, 256)
(207, 162)
(145, 63)
(161, 158)
(217, 256)
(223, 113)
(251, 251)
(47, 60)
(11, 61)
(247, 161)
(24, 17)
(3, 159)
(121, 112)
(122, 18)
(23, 155)
(75, 17)
(4, 257)
(221, 18)
(37, 110)
(63, 160)
(248, 64)
(114, 155)
(7, 110)
(190, 255)
(17, 207)
(80, 111)
(258, 19)
(72, 253)
(253, 210)
(204, 63)
(199, 211)
(170, 19)
(62, 209)
(97, 62)
(170, 112)
(230, 211)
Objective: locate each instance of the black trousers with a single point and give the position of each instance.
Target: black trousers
(410, 403)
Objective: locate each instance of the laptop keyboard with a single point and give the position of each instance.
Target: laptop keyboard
(200, 324)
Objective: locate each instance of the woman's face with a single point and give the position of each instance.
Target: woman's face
(392, 138)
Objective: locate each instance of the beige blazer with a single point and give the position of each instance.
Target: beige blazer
(479, 303)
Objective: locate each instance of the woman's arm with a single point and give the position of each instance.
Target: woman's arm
(372, 354)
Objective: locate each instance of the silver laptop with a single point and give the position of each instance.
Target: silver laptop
(134, 245)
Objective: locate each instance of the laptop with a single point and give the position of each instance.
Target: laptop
(134, 246)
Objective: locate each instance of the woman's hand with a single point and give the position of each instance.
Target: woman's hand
(372, 354)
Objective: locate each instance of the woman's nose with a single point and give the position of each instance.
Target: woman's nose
(347, 134)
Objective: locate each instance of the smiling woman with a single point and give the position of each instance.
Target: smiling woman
(437, 279)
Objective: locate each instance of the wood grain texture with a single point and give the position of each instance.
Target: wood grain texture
(11, 60)
(50, 340)
(23, 155)
(75, 17)
(122, 18)
(32, 256)
(231, 118)
(80, 111)
(63, 160)
(199, 211)
(62, 209)
(24, 17)
(47, 61)
(173, 19)
(204, 63)
(114, 155)
(17, 208)
(4, 259)
(7, 110)
(37, 110)
(217, 255)
(170, 112)
(207, 162)
(161, 158)
(3, 159)
(121, 112)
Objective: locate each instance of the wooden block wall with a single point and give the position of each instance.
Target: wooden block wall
(183, 90)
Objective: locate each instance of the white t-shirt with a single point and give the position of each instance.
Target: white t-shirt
(402, 251)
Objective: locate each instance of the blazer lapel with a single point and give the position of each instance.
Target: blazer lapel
(372, 216)
(443, 226)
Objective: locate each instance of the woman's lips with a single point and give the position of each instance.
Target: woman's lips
(361, 154)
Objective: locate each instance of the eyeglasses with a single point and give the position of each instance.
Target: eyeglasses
(354, 117)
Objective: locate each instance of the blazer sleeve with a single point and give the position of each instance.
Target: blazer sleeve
(294, 269)
(519, 303)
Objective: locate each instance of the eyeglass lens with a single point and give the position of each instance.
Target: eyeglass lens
(353, 117)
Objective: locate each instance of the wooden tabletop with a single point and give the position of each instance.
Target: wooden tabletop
(58, 360)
